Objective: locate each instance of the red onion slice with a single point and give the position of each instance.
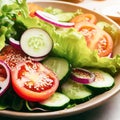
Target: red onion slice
(52, 19)
(82, 75)
(110, 55)
(4, 77)
(14, 43)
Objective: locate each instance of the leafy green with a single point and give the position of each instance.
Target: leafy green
(68, 43)
(109, 28)
(71, 45)
(11, 100)
(61, 15)
(53, 11)
(17, 103)
(8, 12)
(2, 41)
(3, 102)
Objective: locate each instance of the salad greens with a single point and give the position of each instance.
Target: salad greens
(68, 43)
(8, 12)
(62, 16)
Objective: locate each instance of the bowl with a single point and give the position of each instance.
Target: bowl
(92, 103)
(112, 11)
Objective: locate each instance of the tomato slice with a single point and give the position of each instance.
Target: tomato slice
(96, 38)
(34, 82)
(89, 30)
(104, 44)
(32, 8)
(12, 56)
(86, 17)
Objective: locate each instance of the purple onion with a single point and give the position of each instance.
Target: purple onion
(4, 81)
(14, 43)
(51, 19)
(82, 75)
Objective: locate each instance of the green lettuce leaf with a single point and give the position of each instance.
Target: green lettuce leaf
(9, 9)
(61, 15)
(71, 45)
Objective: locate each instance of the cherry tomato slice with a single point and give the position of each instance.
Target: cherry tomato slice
(34, 82)
(86, 17)
(96, 38)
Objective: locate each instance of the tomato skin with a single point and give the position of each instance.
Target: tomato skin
(86, 17)
(96, 38)
(18, 82)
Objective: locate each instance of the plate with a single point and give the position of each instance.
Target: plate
(92, 103)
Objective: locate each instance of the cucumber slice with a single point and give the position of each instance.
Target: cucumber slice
(60, 66)
(55, 102)
(77, 92)
(36, 42)
(103, 81)
(65, 17)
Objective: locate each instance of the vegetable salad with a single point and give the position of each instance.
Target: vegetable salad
(51, 59)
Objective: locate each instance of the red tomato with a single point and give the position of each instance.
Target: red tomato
(34, 82)
(104, 44)
(89, 30)
(86, 17)
(96, 38)
(12, 56)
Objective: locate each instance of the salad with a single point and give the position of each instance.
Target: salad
(51, 59)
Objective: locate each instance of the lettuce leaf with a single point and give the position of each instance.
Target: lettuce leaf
(8, 12)
(71, 45)
(61, 15)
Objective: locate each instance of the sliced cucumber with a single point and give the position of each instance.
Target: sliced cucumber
(103, 81)
(55, 102)
(36, 42)
(77, 92)
(65, 17)
(58, 65)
